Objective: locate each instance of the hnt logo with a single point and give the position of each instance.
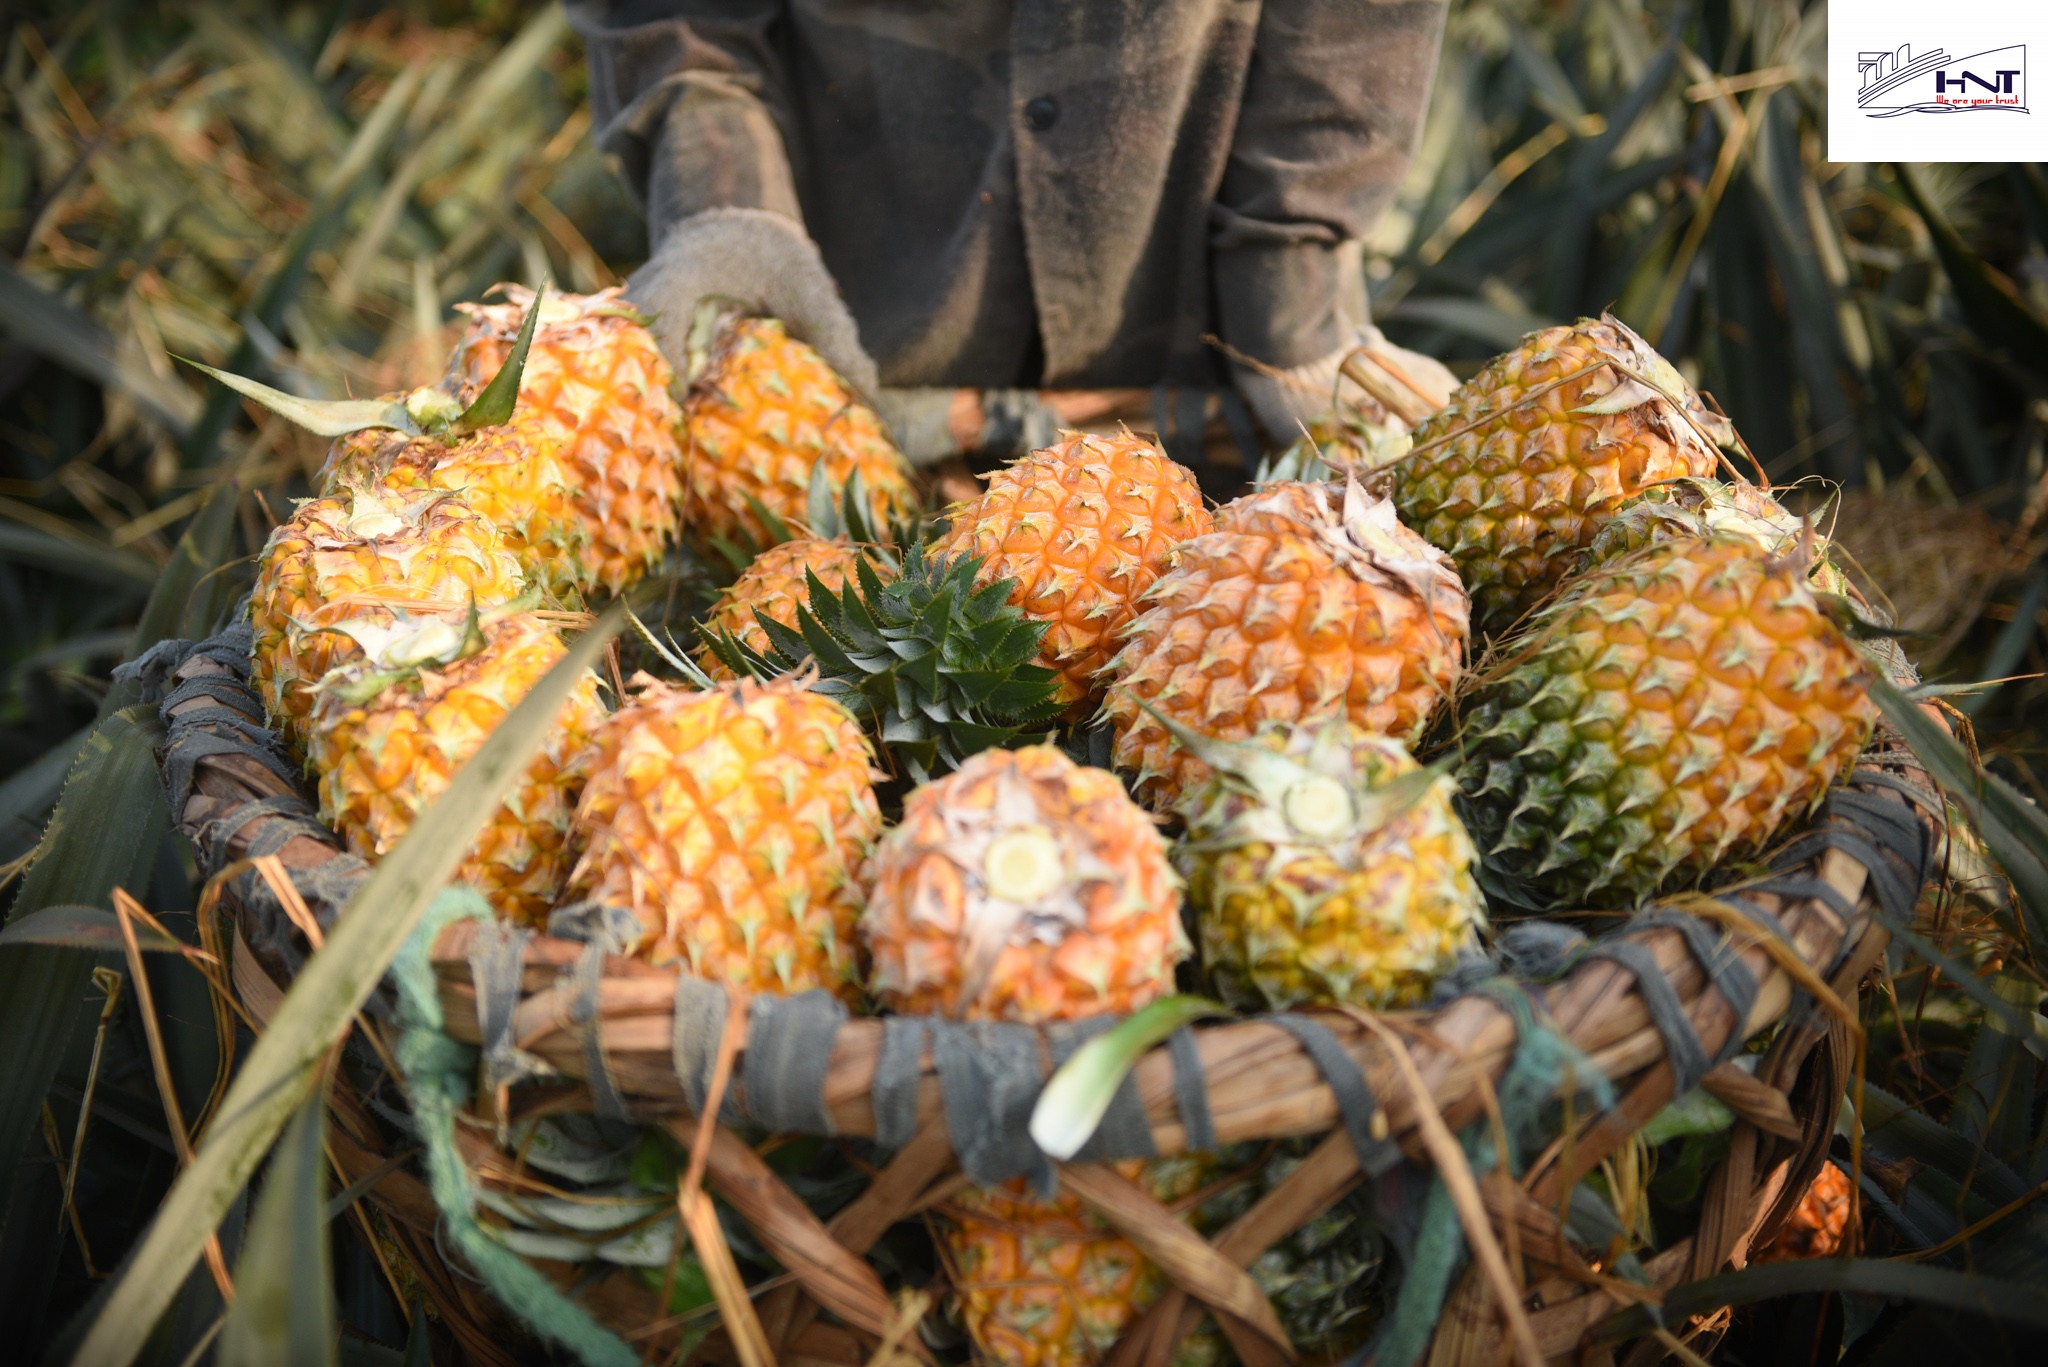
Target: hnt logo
(1895, 83)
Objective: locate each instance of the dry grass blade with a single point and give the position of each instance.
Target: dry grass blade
(1758, 1103)
(109, 982)
(911, 1312)
(1187, 1258)
(1464, 1191)
(272, 870)
(735, 1306)
(129, 911)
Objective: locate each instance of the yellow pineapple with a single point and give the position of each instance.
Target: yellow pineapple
(1671, 711)
(731, 822)
(361, 553)
(1024, 887)
(774, 586)
(597, 385)
(390, 729)
(1534, 454)
(761, 412)
(512, 473)
(1082, 528)
(1325, 866)
(1305, 603)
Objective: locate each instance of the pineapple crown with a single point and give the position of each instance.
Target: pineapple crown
(556, 311)
(1349, 443)
(1689, 506)
(426, 411)
(938, 668)
(1026, 879)
(398, 647)
(841, 513)
(1365, 536)
(1311, 790)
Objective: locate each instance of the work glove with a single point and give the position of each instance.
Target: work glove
(931, 425)
(1409, 386)
(761, 260)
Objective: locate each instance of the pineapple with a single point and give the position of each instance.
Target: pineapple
(1306, 603)
(391, 728)
(1082, 529)
(1024, 887)
(455, 438)
(1325, 1279)
(363, 553)
(511, 472)
(598, 387)
(763, 410)
(730, 822)
(1534, 454)
(1325, 866)
(1045, 1283)
(775, 586)
(1816, 1226)
(1673, 709)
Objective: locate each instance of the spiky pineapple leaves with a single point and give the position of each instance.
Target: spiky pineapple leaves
(841, 512)
(937, 668)
(425, 411)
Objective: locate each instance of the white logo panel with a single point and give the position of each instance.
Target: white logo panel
(1916, 82)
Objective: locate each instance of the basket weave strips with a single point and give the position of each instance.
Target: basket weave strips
(1858, 866)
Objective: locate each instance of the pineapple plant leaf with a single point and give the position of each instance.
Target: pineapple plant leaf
(937, 668)
(421, 412)
(1077, 1095)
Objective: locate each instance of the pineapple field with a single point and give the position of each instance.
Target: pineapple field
(532, 833)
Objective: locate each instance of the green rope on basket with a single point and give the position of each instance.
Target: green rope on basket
(438, 1073)
(1546, 1065)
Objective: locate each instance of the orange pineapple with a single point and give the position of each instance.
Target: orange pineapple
(1084, 528)
(599, 388)
(1304, 604)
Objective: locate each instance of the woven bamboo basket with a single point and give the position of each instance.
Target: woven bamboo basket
(1805, 936)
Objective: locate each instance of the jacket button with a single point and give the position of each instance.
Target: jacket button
(1041, 113)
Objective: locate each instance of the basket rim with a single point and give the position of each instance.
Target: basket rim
(1456, 1044)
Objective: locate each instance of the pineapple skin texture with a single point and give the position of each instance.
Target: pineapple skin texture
(596, 388)
(1515, 484)
(731, 822)
(383, 762)
(1674, 710)
(324, 566)
(1045, 1283)
(1084, 527)
(1104, 941)
(775, 586)
(512, 474)
(1370, 918)
(765, 412)
(1259, 623)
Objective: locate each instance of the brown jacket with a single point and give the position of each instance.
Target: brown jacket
(1059, 192)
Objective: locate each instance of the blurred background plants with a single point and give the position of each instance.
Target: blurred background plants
(301, 191)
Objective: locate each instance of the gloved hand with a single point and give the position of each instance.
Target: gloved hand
(761, 259)
(1410, 386)
(933, 424)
